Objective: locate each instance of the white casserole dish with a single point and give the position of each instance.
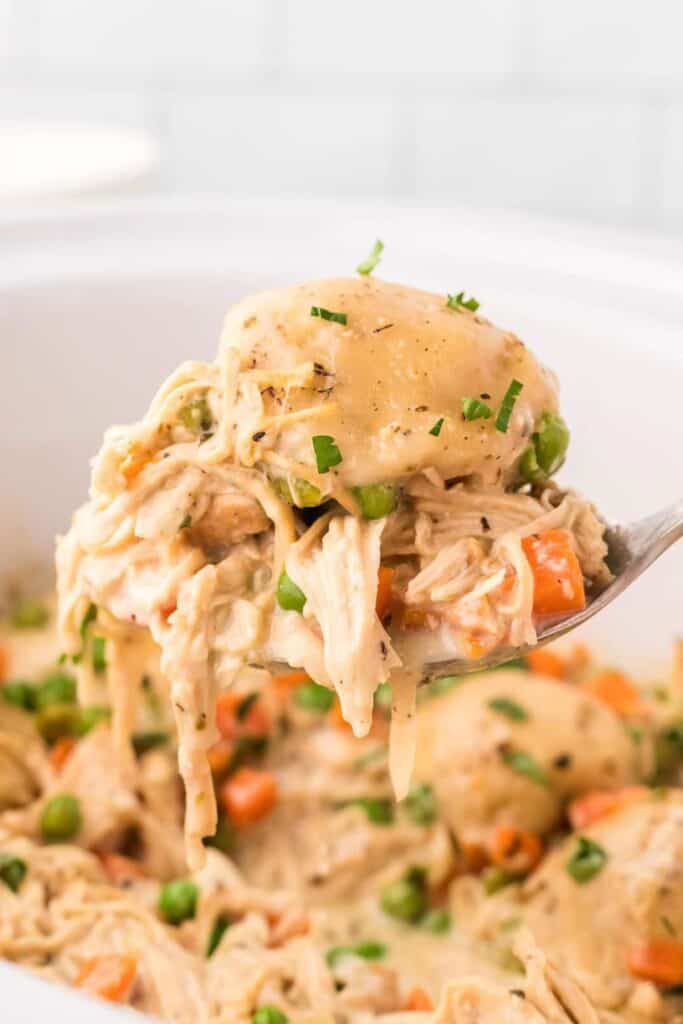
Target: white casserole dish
(98, 304)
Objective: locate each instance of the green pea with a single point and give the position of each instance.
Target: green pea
(58, 688)
(378, 811)
(437, 921)
(420, 804)
(90, 717)
(376, 500)
(29, 614)
(289, 596)
(406, 898)
(56, 720)
(547, 451)
(224, 837)
(178, 900)
(61, 818)
(196, 416)
(220, 927)
(299, 492)
(21, 693)
(313, 697)
(12, 871)
(269, 1015)
(144, 741)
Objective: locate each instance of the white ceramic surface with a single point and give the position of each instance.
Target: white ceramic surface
(40, 161)
(97, 305)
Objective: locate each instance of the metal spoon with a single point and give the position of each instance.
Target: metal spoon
(631, 550)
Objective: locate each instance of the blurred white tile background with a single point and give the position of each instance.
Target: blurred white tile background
(573, 110)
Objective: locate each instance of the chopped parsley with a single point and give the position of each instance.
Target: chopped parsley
(99, 654)
(473, 409)
(185, 522)
(587, 860)
(327, 314)
(436, 429)
(460, 302)
(220, 927)
(327, 454)
(420, 804)
(370, 263)
(12, 871)
(524, 763)
(368, 950)
(379, 811)
(510, 708)
(507, 405)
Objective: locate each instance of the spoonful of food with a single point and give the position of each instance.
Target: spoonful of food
(631, 550)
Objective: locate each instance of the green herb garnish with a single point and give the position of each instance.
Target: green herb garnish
(370, 263)
(185, 522)
(587, 860)
(406, 898)
(379, 811)
(99, 654)
(524, 764)
(269, 1015)
(327, 454)
(196, 416)
(510, 708)
(327, 314)
(507, 405)
(368, 950)
(420, 804)
(436, 429)
(473, 409)
(12, 871)
(460, 302)
(21, 693)
(220, 927)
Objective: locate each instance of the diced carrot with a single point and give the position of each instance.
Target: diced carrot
(591, 807)
(290, 680)
(546, 663)
(110, 977)
(248, 796)
(4, 663)
(617, 691)
(558, 580)
(220, 756)
(660, 961)
(515, 849)
(256, 721)
(418, 999)
(134, 463)
(168, 609)
(385, 578)
(287, 925)
(61, 752)
(120, 868)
